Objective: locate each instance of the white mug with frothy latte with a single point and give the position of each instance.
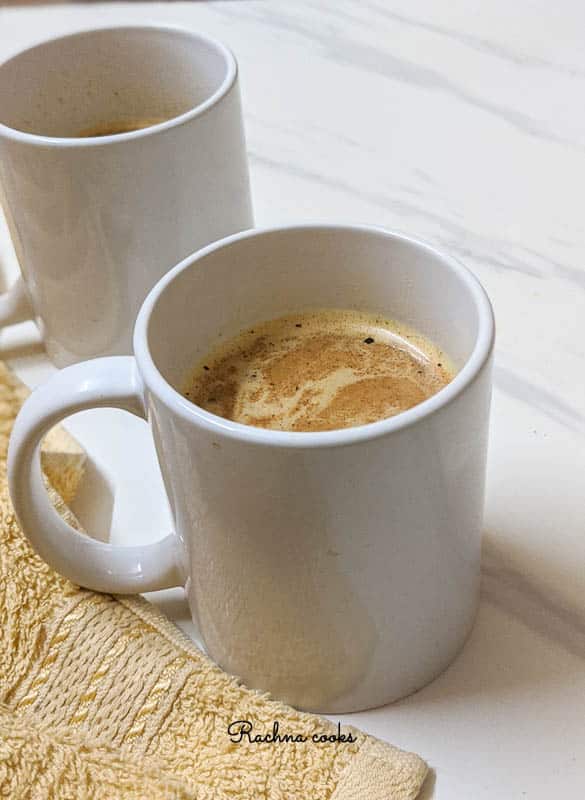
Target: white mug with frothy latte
(329, 544)
(121, 151)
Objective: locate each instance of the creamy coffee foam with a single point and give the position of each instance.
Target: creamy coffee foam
(319, 371)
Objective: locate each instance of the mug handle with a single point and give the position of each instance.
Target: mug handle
(15, 305)
(103, 382)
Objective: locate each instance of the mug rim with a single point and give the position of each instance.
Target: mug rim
(224, 88)
(156, 383)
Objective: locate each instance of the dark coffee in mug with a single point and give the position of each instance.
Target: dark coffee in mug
(319, 371)
(119, 126)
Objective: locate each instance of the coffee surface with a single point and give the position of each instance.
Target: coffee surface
(121, 126)
(319, 371)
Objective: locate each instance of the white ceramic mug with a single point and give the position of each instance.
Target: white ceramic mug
(340, 569)
(96, 221)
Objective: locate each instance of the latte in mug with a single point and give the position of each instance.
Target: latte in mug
(319, 371)
(119, 126)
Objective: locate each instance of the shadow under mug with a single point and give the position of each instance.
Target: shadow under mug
(96, 221)
(338, 570)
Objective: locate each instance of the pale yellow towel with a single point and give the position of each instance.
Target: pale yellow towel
(102, 697)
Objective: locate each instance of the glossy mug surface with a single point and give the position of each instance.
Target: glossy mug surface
(96, 220)
(340, 569)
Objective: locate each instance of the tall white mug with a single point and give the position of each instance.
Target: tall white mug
(95, 221)
(339, 570)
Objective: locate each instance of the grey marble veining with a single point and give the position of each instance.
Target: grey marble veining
(542, 609)
(492, 47)
(546, 401)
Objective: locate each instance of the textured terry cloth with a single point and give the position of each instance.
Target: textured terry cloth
(102, 697)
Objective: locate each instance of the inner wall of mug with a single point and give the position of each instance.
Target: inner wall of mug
(110, 76)
(273, 273)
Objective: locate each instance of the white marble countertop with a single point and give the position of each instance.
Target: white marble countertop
(463, 124)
